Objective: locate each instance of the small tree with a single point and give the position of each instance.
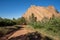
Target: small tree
(32, 18)
(21, 20)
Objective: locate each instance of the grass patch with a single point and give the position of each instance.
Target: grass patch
(3, 31)
(6, 30)
(50, 27)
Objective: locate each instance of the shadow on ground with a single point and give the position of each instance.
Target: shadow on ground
(5, 37)
(31, 36)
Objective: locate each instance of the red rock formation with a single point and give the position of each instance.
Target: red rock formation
(40, 12)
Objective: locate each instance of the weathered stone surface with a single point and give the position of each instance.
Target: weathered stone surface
(40, 12)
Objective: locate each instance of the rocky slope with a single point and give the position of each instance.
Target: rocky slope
(41, 12)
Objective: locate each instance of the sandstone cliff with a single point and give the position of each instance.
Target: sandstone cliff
(40, 12)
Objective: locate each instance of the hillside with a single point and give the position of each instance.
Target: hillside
(22, 29)
(41, 12)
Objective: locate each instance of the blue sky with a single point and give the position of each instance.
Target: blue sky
(16, 8)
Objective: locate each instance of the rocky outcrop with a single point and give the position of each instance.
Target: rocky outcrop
(32, 36)
(40, 12)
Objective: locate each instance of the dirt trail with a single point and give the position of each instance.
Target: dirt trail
(22, 31)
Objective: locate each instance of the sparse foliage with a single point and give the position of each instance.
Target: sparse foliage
(51, 25)
(21, 21)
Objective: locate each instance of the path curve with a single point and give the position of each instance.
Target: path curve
(22, 31)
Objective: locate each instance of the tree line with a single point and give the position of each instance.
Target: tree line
(11, 22)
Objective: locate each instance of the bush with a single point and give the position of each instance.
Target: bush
(9, 22)
(50, 25)
(20, 21)
(6, 22)
(3, 31)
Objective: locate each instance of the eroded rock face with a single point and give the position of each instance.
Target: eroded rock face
(40, 12)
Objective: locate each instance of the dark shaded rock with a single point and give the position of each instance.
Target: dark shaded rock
(47, 38)
(1, 34)
(29, 36)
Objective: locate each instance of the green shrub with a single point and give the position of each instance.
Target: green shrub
(3, 31)
(50, 25)
(21, 21)
(6, 22)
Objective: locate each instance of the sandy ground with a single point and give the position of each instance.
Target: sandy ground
(22, 31)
